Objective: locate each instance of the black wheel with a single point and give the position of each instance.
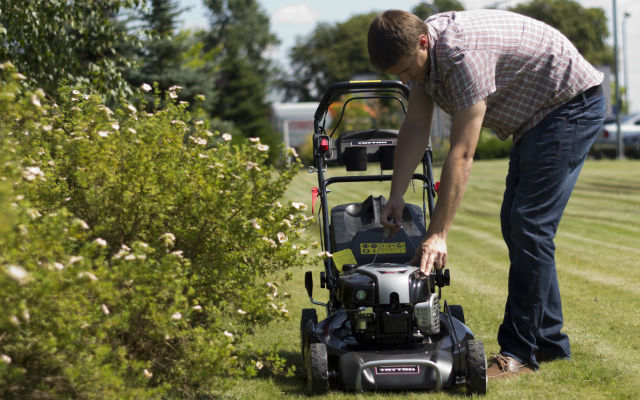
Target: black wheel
(317, 366)
(308, 314)
(476, 368)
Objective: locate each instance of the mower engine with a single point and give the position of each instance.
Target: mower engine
(389, 303)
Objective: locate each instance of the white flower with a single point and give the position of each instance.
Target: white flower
(277, 204)
(168, 238)
(259, 365)
(87, 275)
(325, 254)
(226, 137)
(173, 95)
(131, 130)
(105, 309)
(33, 213)
(304, 252)
(175, 87)
(197, 307)
(146, 87)
(115, 126)
(177, 253)
(132, 108)
(18, 274)
(100, 242)
(241, 312)
(35, 101)
(25, 315)
(130, 257)
(199, 141)
(281, 237)
(106, 109)
(263, 147)
(292, 152)
(203, 155)
(76, 92)
(147, 374)
(81, 222)
(5, 359)
(176, 316)
(254, 140)
(228, 334)
(286, 223)
(299, 206)
(251, 165)
(75, 259)
(31, 173)
(58, 266)
(255, 224)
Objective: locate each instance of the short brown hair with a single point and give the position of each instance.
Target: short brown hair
(393, 35)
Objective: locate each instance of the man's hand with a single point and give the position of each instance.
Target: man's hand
(431, 254)
(391, 216)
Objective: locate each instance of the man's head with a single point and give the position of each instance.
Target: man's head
(393, 35)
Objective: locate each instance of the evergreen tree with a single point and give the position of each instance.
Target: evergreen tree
(241, 30)
(171, 58)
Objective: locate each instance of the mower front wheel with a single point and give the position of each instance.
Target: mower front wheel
(476, 368)
(308, 314)
(317, 366)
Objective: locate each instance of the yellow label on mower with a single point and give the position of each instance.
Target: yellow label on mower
(383, 248)
(343, 257)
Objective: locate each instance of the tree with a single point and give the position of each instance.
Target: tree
(425, 10)
(73, 41)
(171, 58)
(585, 27)
(331, 53)
(241, 30)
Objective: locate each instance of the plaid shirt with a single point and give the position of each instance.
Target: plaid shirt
(523, 67)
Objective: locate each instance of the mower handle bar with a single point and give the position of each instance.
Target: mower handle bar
(339, 88)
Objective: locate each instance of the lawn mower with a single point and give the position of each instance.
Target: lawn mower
(386, 328)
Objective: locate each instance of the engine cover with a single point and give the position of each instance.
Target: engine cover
(383, 284)
(379, 300)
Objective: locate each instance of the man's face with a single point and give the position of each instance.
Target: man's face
(412, 67)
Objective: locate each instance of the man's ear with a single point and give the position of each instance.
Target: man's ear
(423, 41)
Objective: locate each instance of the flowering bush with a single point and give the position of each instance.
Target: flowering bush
(134, 248)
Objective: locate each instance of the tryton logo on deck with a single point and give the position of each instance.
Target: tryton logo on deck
(383, 248)
(398, 370)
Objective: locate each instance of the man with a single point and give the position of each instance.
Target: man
(523, 79)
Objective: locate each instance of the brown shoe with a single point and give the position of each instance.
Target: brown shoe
(502, 366)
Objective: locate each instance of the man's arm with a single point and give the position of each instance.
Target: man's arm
(413, 139)
(453, 182)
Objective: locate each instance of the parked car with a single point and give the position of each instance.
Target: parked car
(606, 143)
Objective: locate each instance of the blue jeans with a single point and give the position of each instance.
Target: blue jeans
(543, 169)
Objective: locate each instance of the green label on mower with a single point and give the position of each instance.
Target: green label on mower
(383, 248)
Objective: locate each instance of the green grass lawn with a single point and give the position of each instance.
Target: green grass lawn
(597, 259)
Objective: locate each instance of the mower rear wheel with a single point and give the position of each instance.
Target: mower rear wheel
(476, 368)
(317, 366)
